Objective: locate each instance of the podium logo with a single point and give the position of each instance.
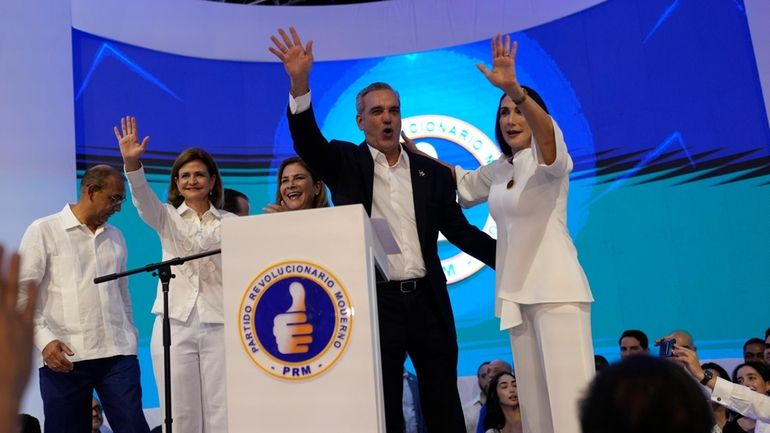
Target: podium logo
(295, 320)
(432, 132)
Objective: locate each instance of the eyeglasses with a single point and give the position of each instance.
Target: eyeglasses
(116, 199)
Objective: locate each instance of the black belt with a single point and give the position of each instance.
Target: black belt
(404, 286)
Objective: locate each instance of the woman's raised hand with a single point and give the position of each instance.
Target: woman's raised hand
(503, 73)
(128, 140)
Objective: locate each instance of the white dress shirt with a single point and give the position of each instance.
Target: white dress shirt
(743, 400)
(198, 283)
(471, 414)
(392, 200)
(63, 256)
(536, 261)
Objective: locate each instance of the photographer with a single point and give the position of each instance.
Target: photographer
(747, 398)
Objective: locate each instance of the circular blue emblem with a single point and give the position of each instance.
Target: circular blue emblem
(294, 320)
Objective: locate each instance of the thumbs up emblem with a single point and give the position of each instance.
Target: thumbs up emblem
(293, 333)
(295, 320)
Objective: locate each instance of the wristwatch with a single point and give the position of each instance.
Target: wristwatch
(707, 376)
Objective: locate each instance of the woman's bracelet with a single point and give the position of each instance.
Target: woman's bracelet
(523, 97)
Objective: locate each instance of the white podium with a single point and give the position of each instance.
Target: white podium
(301, 332)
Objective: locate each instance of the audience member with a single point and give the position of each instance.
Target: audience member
(495, 367)
(498, 366)
(750, 400)
(724, 422)
(28, 424)
(684, 339)
(754, 350)
(503, 411)
(471, 410)
(85, 331)
(600, 363)
(767, 346)
(633, 342)
(756, 376)
(236, 202)
(644, 394)
(413, 420)
(16, 330)
(753, 374)
(97, 418)
(482, 374)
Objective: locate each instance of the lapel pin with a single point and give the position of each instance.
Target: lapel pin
(421, 173)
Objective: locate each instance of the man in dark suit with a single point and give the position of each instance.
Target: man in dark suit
(416, 196)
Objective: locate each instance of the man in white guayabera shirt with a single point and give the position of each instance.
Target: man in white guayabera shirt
(85, 331)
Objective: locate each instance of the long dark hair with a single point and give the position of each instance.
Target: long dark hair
(494, 419)
(531, 93)
(760, 367)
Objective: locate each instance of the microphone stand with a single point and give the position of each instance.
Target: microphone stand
(163, 271)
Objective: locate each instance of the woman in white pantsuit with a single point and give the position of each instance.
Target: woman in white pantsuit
(188, 224)
(542, 295)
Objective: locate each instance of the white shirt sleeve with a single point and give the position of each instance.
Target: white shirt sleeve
(150, 209)
(299, 104)
(562, 165)
(33, 267)
(741, 399)
(473, 186)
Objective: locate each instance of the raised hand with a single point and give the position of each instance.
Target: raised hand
(16, 327)
(503, 73)
(297, 59)
(128, 140)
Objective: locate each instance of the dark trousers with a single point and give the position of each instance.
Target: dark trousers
(67, 396)
(411, 323)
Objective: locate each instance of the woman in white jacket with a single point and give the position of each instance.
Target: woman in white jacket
(542, 294)
(188, 224)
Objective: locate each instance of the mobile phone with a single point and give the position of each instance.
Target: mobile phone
(667, 348)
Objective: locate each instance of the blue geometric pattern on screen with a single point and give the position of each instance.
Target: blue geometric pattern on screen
(108, 50)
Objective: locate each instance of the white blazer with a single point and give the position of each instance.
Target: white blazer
(536, 260)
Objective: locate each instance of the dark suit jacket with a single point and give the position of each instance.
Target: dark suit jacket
(348, 171)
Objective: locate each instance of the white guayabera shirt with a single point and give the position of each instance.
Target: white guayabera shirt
(63, 257)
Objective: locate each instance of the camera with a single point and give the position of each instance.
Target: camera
(667, 348)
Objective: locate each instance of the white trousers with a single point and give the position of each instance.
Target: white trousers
(198, 394)
(554, 362)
